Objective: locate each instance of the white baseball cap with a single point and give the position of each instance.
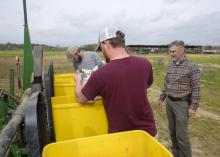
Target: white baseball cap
(69, 54)
(107, 33)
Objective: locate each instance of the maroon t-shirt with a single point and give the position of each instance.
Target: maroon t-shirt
(123, 84)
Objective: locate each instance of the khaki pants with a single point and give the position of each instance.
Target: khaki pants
(177, 114)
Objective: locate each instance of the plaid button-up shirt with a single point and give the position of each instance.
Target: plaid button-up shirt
(182, 80)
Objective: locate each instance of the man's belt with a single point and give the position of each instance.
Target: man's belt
(178, 99)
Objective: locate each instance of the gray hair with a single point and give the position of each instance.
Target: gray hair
(178, 43)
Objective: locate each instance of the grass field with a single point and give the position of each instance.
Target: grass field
(204, 128)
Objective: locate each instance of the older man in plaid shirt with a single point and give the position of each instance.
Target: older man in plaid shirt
(182, 94)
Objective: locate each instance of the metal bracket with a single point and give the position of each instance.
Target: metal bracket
(51, 73)
(49, 107)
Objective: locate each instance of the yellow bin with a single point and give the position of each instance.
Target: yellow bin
(64, 78)
(124, 144)
(75, 120)
(64, 84)
(62, 89)
(64, 99)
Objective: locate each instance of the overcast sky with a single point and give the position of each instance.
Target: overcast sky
(78, 22)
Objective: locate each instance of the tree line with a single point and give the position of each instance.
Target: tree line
(13, 46)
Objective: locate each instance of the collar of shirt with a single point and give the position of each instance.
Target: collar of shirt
(180, 62)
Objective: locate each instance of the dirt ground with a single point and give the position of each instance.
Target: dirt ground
(200, 146)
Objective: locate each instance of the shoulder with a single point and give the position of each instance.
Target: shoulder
(102, 73)
(192, 65)
(106, 70)
(140, 60)
(92, 53)
(170, 64)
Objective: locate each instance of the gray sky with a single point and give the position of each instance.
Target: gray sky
(77, 22)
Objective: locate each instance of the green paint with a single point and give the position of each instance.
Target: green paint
(28, 59)
(3, 112)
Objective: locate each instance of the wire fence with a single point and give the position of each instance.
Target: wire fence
(9, 62)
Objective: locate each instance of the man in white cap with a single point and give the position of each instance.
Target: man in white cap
(122, 83)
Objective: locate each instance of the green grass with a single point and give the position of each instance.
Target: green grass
(157, 58)
(205, 139)
(52, 53)
(159, 74)
(199, 59)
(11, 53)
(210, 89)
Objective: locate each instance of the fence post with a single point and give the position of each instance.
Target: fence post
(11, 87)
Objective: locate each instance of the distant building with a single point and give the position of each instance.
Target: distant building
(210, 50)
(146, 49)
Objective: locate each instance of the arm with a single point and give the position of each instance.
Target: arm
(163, 92)
(75, 68)
(90, 90)
(80, 97)
(195, 95)
(150, 81)
(98, 60)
